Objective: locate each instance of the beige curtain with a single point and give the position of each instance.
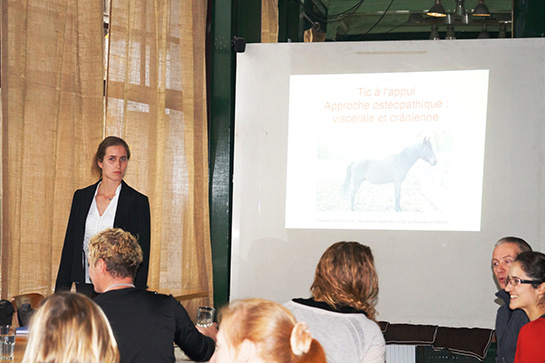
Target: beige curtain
(155, 99)
(54, 116)
(269, 21)
(52, 120)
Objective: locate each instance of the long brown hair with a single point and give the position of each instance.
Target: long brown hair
(346, 275)
(274, 330)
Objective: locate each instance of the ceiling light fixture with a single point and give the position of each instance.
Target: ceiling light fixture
(437, 10)
(460, 10)
(415, 18)
(434, 33)
(481, 9)
(503, 31)
(484, 33)
(450, 33)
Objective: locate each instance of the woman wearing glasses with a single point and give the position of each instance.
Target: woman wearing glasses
(525, 284)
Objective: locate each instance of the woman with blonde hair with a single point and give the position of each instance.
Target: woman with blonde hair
(341, 312)
(259, 331)
(70, 328)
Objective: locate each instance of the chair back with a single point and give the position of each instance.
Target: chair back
(6, 312)
(25, 305)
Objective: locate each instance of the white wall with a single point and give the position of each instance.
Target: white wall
(442, 278)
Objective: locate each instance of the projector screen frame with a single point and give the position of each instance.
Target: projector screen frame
(433, 277)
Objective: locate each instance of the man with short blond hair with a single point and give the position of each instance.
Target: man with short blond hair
(145, 323)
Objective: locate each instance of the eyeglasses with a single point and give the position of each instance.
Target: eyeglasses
(515, 281)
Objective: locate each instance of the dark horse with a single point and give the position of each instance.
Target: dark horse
(391, 169)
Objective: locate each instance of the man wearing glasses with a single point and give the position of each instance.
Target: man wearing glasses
(508, 322)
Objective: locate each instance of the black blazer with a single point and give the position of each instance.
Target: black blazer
(132, 215)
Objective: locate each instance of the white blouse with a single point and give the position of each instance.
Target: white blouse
(97, 223)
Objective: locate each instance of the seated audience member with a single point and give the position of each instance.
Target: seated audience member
(70, 328)
(525, 284)
(341, 311)
(262, 331)
(145, 323)
(508, 321)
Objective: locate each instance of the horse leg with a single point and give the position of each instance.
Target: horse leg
(397, 187)
(357, 179)
(347, 179)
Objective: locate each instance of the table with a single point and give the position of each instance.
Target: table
(21, 343)
(20, 346)
(180, 295)
(180, 356)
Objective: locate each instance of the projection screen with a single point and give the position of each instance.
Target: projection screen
(427, 151)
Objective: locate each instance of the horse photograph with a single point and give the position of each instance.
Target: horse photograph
(391, 169)
(410, 177)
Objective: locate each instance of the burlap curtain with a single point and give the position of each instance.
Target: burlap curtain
(269, 21)
(155, 99)
(54, 116)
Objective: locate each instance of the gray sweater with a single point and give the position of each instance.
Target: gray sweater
(345, 337)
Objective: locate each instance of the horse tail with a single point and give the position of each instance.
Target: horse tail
(347, 178)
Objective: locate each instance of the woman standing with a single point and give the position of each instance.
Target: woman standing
(525, 284)
(109, 203)
(341, 311)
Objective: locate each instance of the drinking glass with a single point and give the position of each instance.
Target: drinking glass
(205, 316)
(7, 342)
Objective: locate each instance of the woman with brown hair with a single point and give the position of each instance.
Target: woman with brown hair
(70, 328)
(108, 203)
(262, 331)
(341, 311)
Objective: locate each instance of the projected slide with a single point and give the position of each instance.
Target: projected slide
(390, 151)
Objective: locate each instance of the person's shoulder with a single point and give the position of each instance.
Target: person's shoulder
(525, 330)
(157, 297)
(142, 296)
(150, 294)
(503, 296)
(100, 298)
(108, 300)
(83, 194)
(126, 188)
(361, 325)
(289, 304)
(532, 328)
(370, 324)
(87, 189)
(538, 324)
(519, 317)
(308, 306)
